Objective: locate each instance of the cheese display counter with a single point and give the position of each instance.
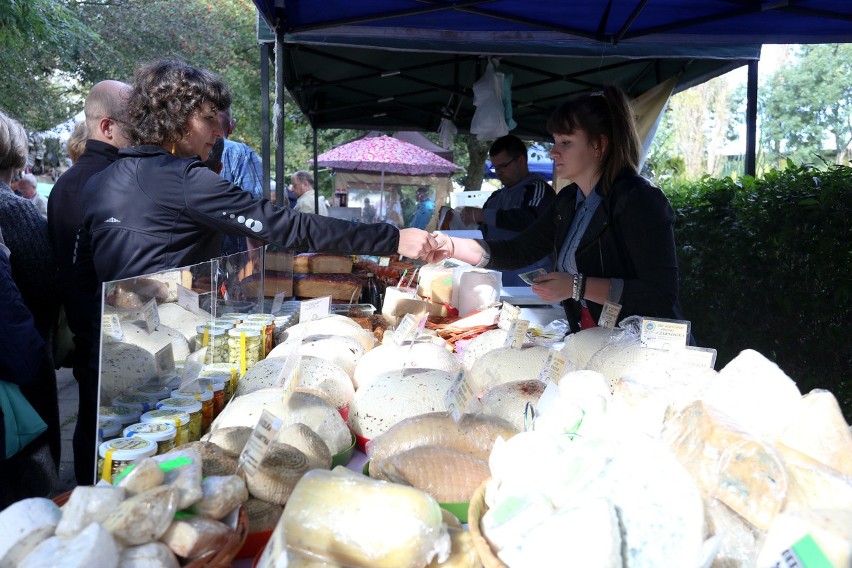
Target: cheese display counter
(418, 436)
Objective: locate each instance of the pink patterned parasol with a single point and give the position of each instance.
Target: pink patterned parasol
(386, 155)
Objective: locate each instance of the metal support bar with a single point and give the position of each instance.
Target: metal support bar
(751, 120)
(266, 145)
(316, 173)
(280, 194)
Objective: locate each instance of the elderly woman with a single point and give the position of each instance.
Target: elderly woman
(159, 207)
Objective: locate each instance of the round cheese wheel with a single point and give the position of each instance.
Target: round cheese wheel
(331, 325)
(509, 400)
(579, 347)
(398, 395)
(343, 351)
(391, 357)
(482, 344)
(315, 374)
(505, 365)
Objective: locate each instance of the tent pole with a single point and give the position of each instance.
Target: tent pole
(278, 114)
(751, 120)
(316, 176)
(265, 140)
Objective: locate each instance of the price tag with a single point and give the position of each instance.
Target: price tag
(188, 299)
(384, 261)
(287, 375)
(664, 334)
(165, 360)
(553, 367)
(517, 333)
(315, 309)
(609, 315)
(508, 314)
(277, 301)
(259, 441)
(409, 328)
(695, 357)
(459, 396)
(151, 315)
(111, 327)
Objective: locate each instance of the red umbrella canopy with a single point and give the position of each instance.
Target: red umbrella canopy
(385, 154)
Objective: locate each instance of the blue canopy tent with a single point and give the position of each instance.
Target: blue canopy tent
(406, 64)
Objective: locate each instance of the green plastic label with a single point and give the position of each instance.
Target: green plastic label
(175, 463)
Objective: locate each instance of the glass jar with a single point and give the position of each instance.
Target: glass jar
(228, 372)
(191, 407)
(236, 317)
(116, 455)
(244, 347)
(123, 414)
(217, 386)
(205, 397)
(268, 323)
(180, 419)
(155, 391)
(137, 402)
(108, 429)
(163, 433)
(215, 338)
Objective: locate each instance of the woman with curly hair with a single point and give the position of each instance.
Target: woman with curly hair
(76, 144)
(159, 207)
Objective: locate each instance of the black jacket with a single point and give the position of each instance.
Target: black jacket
(152, 211)
(630, 236)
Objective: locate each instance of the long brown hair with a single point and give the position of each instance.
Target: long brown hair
(603, 114)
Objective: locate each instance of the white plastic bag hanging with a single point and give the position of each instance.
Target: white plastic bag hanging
(447, 133)
(489, 122)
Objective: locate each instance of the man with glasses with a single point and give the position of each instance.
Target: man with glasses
(510, 210)
(105, 120)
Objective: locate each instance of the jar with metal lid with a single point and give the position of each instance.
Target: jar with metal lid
(190, 406)
(116, 455)
(157, 391)
(163, 433)
(265, 340)
(217, 386)
(244, 347)
(137, 402)
(180, 418)
(108, 429)
(123, 414)
(268, 322)
(223, 371)
(205, 397)
(237, 317)
(215, 338)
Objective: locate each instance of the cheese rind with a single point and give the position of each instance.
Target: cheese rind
(87, 505)
(23, 525)
(195, 536)
(151, 555)
(93, 546)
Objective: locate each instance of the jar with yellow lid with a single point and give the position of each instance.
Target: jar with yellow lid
(163, 433)
(244, 347)
(137, 402)
(116, 455)
(215, 338)
(123, 414)
(156, 391)
(180, 419)
(108, 429)
(190, 406)
(205, 397)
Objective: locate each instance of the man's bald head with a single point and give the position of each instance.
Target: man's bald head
(106, 114)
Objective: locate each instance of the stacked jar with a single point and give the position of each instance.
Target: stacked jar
(179, 418)
(215, 338)
(217, 386)
(138, 403)
(126, 416)
(268, 323)
(108, 429)
(205, 397)
(189, 406)
(162, 433)
(244, 347)
(227, 372)
(155, 390)
(116, 455)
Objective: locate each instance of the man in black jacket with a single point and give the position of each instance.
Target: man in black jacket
(105, 119)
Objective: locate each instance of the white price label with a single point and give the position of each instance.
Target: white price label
(409, 328)
(288, 378)
(695, 357)
(609, 315)
(111, 327)
(517, 333)
(264, 433)
(315, 309)
(459, 396)
(664, 334)
(553, 367)
(508, 314)
(384, 261)
(188, 299)
(277, 301)
(165, 360)
(151, 315)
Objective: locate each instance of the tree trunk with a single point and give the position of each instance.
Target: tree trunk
(478, 152)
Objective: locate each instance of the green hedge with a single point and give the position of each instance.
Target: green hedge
(766, 264)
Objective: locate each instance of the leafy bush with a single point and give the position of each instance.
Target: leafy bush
(766, 264)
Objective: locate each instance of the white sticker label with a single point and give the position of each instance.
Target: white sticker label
(288, 377)
(151, 315)
(315, 309)
(384, 261)
(111, 327)
(258, 443)
(609, 315)
(187, 299)
(459, 396)
(165, 360)
(695, 357)
(409, 328)
(517, 333)
(553, 367)
(664, 334)
(508, 314)
(277, 302)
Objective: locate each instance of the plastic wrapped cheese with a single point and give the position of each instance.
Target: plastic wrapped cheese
(819, 431)
(222, 494)
(141, 476)
(390, 357)
(335, 515)
(93, 546)
(509, 400)
(315, 374)
(482, 344)
(143, 518)
(23, 525)
(151, 555)
(183, 472)
(830, 529)
(87, 505)
(192, 537)
(331, 325)
(581, 346)
(505, 365)
(448, 475)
